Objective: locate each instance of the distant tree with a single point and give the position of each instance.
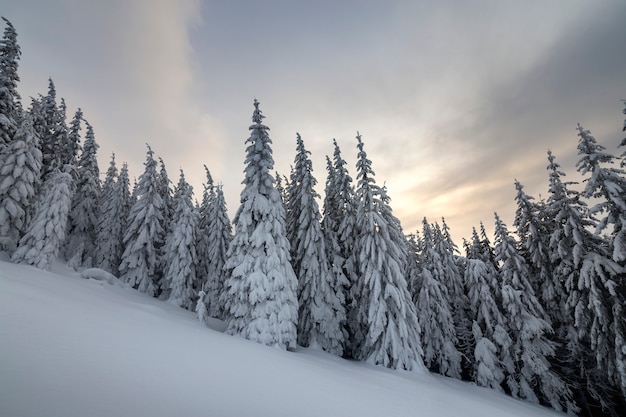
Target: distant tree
(83, 218)
(180, 249)
(386, 310)
(139, 261)
(20, 166)
(529, 328)
(321, 311)
(10, 106)
(114, 209)
(41, 243)
(261, 289)
(434, 313)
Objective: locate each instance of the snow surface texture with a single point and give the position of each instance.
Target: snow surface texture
(74, 347)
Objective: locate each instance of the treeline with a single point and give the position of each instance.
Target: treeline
(539, 316)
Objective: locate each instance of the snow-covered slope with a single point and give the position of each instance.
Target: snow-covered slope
(81, 347)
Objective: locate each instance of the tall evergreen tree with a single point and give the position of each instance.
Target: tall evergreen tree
(219, 232)
(202, 246)
(589, 276)
(180, 249)
(83, 218)
(528, 326)
(321, 311)
(261, 290)
(10, 106)
(72, 145)
(46, 231)
(139, 261)
(114, 208)
(386, 310)
(48, 125)
(339, 231)
(20, 166)
(434, 313)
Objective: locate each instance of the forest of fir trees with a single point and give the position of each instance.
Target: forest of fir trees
(538, 313)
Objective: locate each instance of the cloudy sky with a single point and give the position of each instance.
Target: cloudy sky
(454, 99)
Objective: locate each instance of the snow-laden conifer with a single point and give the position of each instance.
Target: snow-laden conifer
(452, 279)
(219, 233)
(139, 261)
(386, 310)
(83, 218)
(20, 166)
(434, 313)
(262, 304)
(321, 311)
(114, 207)
(72, 146)
(590, 278)
(46, 231)
(180, 249)
(534, 379)
(47, 121)
(533, 229)
(339, 231)
(10, 107)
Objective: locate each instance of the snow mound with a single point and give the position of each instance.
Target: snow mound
(103, 276)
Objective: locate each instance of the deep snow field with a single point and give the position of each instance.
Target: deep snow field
(73, 347)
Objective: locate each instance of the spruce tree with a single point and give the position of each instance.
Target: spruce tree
(321, 311)
(20, 166)
(261, 289)
(386, 310)
(529, 328)
(434, 313)
(72, 145)
(83, 218)
(114, 208)
(48, 124)
(46, 231)
(219, 232)
(589, 276)
(339, 231)
(203, 242)
(180, 249)
(10, 106)
(143, 231)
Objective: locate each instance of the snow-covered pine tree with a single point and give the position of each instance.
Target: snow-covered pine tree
(180, 249)
(41, 243)
(434, 314)
(114, 208)
(607, 186)
(413, 271)
(261, 290)
(339, 231)
(321, 312)
(10, 106)
(527, 324)
(386, 310)
(167, 222)
(83, 218)
(139, 261)
(47, 124)
(533, 229)
(203, 242)
(459, 303)
(219, 232)
(584, 265)
(20, 166)
(72, 145)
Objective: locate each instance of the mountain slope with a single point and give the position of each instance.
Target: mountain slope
(76, 347)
